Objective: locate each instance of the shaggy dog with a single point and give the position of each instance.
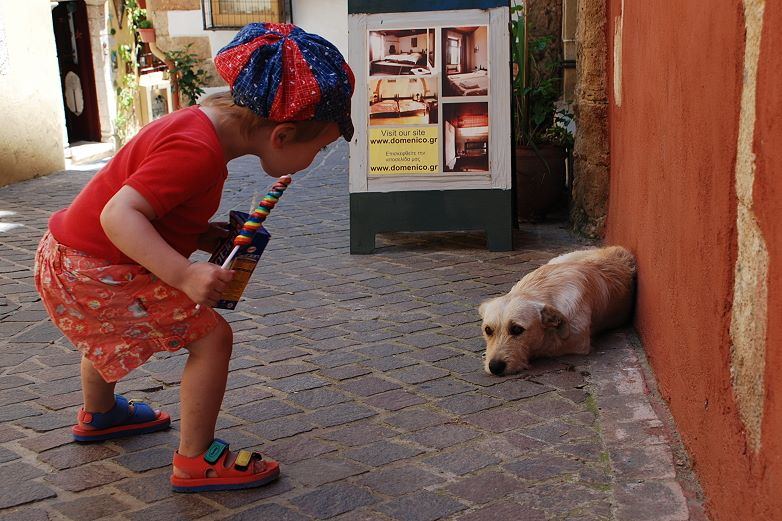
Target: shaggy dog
(555, 309)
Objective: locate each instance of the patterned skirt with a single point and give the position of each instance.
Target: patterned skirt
(116, 315)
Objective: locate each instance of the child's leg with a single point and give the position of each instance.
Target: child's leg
(202, 388)
(103, 417)
(201, 395)
(98, 394)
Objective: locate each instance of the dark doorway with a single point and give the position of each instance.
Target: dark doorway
(77, 77)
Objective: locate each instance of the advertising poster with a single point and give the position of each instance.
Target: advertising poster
(428, 101)
(403, 150)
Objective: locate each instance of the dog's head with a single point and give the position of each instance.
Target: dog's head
(517, 329)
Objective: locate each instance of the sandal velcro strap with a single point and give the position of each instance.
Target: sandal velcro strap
(243, 459)
(215, 450)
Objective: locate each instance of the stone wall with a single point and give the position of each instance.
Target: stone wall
(544, 18)
(591, 151)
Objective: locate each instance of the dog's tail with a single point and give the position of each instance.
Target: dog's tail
(623, 257)
(619, 271)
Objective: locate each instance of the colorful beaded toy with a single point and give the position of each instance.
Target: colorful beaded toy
(253, 222)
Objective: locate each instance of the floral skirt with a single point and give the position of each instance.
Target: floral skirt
(116, 315)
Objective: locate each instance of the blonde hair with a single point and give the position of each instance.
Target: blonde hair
(249, 121)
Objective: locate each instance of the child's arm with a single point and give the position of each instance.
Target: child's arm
(126, 221)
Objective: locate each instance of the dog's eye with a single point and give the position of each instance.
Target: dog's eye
(516, 330)
(489, 331)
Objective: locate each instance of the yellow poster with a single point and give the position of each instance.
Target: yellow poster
(403, 150)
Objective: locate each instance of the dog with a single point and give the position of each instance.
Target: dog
(556, 309)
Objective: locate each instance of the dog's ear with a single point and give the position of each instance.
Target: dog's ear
(482, 307)
(551, 318)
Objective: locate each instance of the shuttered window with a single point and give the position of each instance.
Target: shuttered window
(228, 14)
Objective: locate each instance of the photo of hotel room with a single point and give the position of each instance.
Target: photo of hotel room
(402, 52)
(403, 101)
(466, 137)
(465, 58)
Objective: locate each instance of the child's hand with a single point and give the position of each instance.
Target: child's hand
(204, 282)
(211, 238)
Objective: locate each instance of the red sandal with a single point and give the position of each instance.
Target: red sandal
(238, 475)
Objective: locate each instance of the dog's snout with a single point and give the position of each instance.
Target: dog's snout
(497, 367)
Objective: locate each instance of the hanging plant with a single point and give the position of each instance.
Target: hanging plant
(146, 31)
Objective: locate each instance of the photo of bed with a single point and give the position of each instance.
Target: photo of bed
(466, 137)
(465, 61)
(403, 101)
(401, 52)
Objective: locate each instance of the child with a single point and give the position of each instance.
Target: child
(113, 269)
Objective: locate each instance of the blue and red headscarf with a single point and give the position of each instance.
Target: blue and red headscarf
(284, 73)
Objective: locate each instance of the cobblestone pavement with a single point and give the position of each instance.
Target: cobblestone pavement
(361, 374)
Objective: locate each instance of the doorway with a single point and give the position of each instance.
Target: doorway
(77, 77)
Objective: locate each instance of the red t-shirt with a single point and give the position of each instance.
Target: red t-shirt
(176, 163)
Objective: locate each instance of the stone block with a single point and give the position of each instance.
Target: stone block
(398, 481)
(93, 507)
(332, 500)
(382, 453)
(421, 506)
(84, 477)
(442, 436)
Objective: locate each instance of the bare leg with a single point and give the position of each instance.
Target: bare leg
(201, 392)
(202, 389)
(98, 394)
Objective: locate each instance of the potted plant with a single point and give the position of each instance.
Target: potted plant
(187, 75)
(145, 31)
(542, 139)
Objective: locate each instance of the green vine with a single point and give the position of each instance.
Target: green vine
(125, 122)
(126, 85)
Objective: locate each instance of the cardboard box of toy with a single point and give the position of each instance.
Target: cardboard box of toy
(243, 264)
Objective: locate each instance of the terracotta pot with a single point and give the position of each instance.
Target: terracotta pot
(539, 189)
(147, 35)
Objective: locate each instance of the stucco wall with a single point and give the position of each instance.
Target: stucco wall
(694, 131)
(328, 18)
(179, 22)
(31, 135)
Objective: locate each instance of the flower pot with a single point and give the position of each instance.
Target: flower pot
(147, 35)
(539, 190)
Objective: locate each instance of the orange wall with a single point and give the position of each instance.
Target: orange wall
(768, 199)
(672, 201)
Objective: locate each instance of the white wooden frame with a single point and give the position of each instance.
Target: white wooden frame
(499, 175)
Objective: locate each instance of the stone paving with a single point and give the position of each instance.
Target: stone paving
(360, 374)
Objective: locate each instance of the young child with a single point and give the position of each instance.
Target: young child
(113, 269)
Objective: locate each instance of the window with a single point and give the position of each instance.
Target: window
(227, 14)
(454, 51)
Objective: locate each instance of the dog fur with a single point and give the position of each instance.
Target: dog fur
(556, 309)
